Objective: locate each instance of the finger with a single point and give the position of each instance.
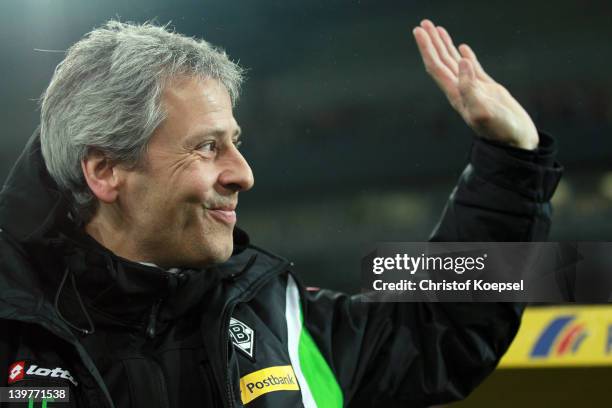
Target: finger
(473, 109)
(467, 81)
(467, 78)
(434, 67)
(467, 52)
(450, 62)
(448, 41)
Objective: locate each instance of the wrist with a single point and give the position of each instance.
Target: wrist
(527, 140)
(530, 143)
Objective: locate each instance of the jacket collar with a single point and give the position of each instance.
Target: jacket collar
(31, 204)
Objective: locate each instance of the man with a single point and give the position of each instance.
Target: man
(124, 278)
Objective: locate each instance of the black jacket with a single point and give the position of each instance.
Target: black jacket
(123, 334)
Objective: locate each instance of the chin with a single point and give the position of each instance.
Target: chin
(220, 258)
(217, 252)
(225, 255)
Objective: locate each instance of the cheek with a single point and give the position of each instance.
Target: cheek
(169, 198)
(196, 185)
(138, 194)
(149, 200)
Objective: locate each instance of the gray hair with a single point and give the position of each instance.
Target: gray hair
(106, 95)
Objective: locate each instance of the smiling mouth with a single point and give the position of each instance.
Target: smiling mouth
(226, 216)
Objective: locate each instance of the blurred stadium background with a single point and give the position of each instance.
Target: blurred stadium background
(350, 141)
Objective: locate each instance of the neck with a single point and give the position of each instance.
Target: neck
(109, 230)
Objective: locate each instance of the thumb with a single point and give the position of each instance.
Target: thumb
(467, 76)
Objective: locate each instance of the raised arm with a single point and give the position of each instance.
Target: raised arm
(421, 354)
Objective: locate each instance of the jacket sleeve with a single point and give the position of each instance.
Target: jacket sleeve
(420, 354)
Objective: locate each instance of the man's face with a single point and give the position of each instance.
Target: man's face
(180, 206)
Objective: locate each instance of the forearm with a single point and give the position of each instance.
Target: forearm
(502, 195)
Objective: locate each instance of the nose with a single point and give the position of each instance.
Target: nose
(236, 174)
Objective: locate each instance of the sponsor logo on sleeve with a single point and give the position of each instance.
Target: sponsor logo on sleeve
(271, 379)
(23, 370)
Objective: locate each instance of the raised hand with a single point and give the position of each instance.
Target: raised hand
(486, 106)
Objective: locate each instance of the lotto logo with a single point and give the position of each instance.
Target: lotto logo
(16, 371)
(21, 371)
(56, 372)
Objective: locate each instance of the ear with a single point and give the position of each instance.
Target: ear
(102, 176)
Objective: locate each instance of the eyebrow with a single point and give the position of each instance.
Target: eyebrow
(216, 132)
(221, 132)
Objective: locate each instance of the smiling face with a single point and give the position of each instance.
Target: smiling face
(178, 208)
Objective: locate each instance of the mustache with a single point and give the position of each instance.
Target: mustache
(221, 204)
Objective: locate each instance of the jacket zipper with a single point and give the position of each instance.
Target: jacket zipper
(152, 325)
(151, 331)
(226, 319)
(228, 383)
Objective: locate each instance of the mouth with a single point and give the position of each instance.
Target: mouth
(225, 214)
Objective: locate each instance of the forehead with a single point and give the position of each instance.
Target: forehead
(195, 105)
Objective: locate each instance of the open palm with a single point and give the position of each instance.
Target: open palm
(485, 105)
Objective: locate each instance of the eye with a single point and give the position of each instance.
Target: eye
(207, 148)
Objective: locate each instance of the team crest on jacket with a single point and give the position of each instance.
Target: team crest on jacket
(243, 338)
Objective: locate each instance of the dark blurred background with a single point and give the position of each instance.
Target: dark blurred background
(350, 141)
